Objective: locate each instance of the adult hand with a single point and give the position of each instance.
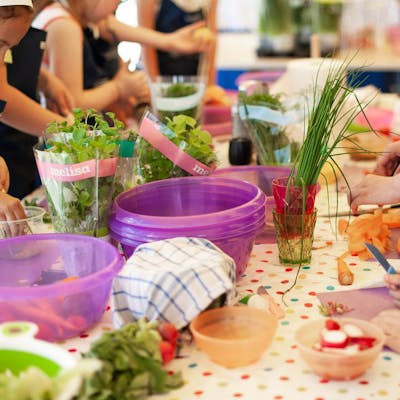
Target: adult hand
(374, 189)
(58, 97)
(4, 176)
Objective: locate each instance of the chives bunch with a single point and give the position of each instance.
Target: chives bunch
(328, 110)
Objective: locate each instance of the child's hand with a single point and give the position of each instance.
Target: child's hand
(4, 176)
(393, 283)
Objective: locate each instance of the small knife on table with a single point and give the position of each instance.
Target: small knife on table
(380, 258)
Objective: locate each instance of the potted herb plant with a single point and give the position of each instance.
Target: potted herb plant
(330, 115)
(77, 164)
(263, 114)
(178, 148)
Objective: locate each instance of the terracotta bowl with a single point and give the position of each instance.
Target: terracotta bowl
(234, 336)
(337, 366)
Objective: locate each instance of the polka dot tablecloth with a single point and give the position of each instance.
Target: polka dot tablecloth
(280, 374)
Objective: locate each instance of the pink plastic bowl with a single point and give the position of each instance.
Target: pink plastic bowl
(228, 212)
(61, 282)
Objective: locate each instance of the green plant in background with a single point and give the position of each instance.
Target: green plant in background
(270, 139)
(81, 206)
(325, 15)
(275, 17)
(186, 134)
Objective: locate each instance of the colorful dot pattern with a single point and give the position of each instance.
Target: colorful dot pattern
(280, 374)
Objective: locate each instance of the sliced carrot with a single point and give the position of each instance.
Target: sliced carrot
(342, 226)
(369, 228)
(398, 245)
(69, 279)
(391, 219)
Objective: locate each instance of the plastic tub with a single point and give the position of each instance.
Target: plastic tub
(228, 212)
(189, 201)
(61, 282)
(261, 176)
(33, 223)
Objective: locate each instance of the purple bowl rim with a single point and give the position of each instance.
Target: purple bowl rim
(259, 209)
(141, 218)
(232, 232)
(250, 168)
(67, 288)
(253, 230)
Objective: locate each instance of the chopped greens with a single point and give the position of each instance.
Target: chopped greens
(131, 365)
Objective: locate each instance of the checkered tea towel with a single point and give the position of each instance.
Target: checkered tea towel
(172, 280)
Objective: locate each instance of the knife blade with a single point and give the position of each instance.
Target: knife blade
(380, 258)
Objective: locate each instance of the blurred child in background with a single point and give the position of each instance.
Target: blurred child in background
(169, 15)
(22, 118)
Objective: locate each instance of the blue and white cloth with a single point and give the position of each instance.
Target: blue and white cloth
(172, 280)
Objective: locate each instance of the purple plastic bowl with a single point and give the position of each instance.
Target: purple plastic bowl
(32, 270)
(261, 176)
(229, 212)
(238, 247)
(152, 234)
(187, 202)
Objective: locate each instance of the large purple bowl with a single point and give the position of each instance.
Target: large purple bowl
(229, 212)
(61, 282)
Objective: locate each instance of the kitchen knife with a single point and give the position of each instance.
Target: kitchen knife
(380, 258)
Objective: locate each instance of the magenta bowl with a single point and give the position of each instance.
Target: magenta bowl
(229, 212)
(61, 282)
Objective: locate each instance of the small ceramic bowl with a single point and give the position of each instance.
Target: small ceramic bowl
(333, 365)
(19, 350)
(234, 336)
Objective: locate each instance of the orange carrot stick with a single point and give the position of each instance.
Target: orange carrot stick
(345, 276)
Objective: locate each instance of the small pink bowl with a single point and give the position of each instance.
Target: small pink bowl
(234, 336)
(338, 366)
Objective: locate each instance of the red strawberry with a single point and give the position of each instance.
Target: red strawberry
(167, 351)
(332, 325)
(169, 332)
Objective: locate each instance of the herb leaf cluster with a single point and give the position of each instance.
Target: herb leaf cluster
(81, 206)
(270, 139)
(186, 134)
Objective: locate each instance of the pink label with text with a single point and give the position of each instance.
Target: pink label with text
(77, 172)
(150, 131)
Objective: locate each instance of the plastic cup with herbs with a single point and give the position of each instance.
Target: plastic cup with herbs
(174, 95)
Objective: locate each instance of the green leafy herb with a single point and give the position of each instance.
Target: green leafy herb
(185, 133)
(81, 206)
(131, 365)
